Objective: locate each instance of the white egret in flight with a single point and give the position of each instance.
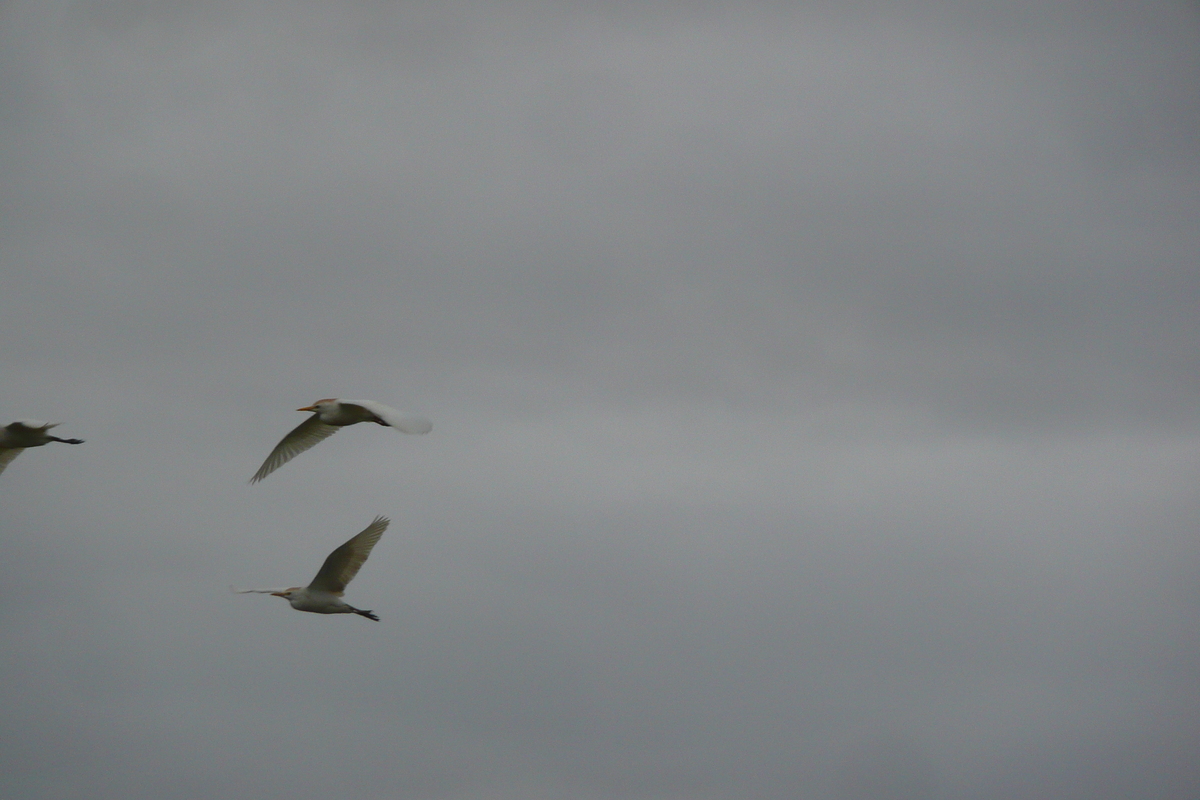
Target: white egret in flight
(328, 416)
(323, 595)
(16, 436)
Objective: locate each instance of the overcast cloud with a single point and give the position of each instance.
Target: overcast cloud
(814, 388)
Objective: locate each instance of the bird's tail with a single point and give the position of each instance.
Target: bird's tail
(367, 614)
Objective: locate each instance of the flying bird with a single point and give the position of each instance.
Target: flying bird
(328, 416)
(323, 595)
(16, 436)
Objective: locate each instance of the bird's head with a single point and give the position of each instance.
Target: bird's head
(319, 406)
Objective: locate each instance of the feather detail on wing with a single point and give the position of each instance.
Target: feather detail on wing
(343, 563)
(302, 437)
(400, 420)
(7, 454)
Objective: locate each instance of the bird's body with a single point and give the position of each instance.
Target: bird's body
(324, 594)
(328, 416)
(320, 602)
(23, 433)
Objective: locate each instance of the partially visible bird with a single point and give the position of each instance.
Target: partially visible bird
(323, 595)
(16, 436)
(328, 416)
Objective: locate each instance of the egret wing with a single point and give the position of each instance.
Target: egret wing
(302, 437)
(31, 426)
(343, 563)
(7, 454)
(400, 420)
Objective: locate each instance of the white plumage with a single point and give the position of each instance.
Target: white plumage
(323, 595)
(16, 436)
(328, 416)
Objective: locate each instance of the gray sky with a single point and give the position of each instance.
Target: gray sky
(815, 399)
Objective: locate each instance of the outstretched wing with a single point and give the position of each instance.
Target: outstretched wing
(400, 420)
(301, 438)
(7, 454)
(343, 564)
(31, 426)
